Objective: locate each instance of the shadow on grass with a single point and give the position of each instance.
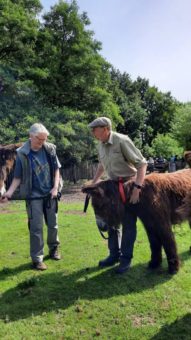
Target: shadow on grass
(6, 271)
(178, 330)
(185, 256)
(57, 291)
(54, 291)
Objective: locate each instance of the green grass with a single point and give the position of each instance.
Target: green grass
(74, 299)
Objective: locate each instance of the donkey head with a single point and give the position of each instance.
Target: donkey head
(106, 202)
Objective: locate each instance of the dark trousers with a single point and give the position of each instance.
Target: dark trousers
(36, 211)
(121, 244)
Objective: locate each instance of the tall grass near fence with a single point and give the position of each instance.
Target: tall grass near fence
(74, 299)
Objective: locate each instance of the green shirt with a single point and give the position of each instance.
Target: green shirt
(120, 157)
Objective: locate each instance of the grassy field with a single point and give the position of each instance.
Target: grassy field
(74, 299)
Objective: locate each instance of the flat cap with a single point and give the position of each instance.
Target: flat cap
(100, 122)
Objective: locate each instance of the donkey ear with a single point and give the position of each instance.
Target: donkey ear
(89, 189)
(93, 189)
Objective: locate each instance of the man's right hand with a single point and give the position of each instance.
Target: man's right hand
(6, 196)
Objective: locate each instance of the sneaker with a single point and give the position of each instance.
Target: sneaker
(108, 261)
(39, 265)
(54, 254)
(123, 266)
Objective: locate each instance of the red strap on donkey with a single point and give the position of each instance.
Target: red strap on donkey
(121, 190)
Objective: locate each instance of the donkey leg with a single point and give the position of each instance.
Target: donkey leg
(169, 244)
(156, 249)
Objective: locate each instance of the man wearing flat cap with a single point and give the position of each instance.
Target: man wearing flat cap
(119, 159)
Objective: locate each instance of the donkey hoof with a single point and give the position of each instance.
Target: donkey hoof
(173, 271)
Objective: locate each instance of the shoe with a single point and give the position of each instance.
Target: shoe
(123, 266)
(109, 261)
(39, 265)
(54, 254)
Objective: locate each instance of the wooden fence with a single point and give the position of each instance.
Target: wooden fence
(75, 173)
(87, 170)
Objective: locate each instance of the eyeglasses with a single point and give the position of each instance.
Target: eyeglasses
(41, 139)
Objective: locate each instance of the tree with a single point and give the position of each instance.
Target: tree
(73, 73)
(160, 108)
(145, 110)
(165, 145)
(18, 30)
(130, 107)
(134, 118)
(63, 82)
(181, 125)
(51, 71)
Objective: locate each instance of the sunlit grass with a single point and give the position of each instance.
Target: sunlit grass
(75, 299)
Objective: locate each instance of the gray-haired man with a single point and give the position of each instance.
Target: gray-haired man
(119, 158)
(37, 178)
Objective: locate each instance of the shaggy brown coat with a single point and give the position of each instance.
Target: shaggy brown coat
(185, 210)
(160, 197)
(7, 160)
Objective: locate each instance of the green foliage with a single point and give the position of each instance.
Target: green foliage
(181, 125)
(160, 108)
(145, 110)
(51, 71)
(166, 146)
(64, 85)
(69, 132)
(134, 119)
(76, 74)
(17, 111)
(18, 30)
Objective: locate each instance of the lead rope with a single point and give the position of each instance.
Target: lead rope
(86, 203)
(121, 190)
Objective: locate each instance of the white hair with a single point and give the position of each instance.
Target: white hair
(37, 128)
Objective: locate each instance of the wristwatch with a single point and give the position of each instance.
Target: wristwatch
(135, 185)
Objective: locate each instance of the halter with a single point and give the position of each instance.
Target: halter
(86, 203)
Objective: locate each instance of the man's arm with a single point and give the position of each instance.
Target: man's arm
(99, 172)
(14, 185)
(54, 190)
(139, 182)
(141, 174)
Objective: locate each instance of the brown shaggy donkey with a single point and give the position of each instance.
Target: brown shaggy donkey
(160, 197)
(7, 160)
(185, 209)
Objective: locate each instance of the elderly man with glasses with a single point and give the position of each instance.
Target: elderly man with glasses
(37, 180)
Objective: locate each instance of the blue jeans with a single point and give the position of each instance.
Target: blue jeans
(122, 244)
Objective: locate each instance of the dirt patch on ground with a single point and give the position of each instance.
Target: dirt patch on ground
(6, 211)
(73, 197)
(73, 212)
(70, 194)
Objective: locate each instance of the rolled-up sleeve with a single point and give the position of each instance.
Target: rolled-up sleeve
(131, 153)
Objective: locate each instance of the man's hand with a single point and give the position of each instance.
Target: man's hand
(6, 196)
(135, 196)
(54, 192)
